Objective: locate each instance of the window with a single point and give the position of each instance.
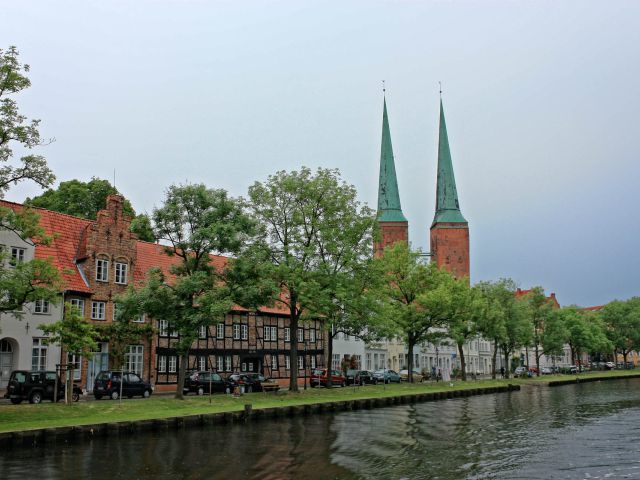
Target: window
(300, 363)
(335, 361)
(312, 335)
(102, 270)
(162, 363)
(116, 309)
(287, 334)
(236, 331)
(202, 333)
(173, 363)
(300, 335)
(220, 330)
(174, 332)
(41, 306)
(202, 363)
(267, 334)
(274, 334)
(220, 363)
(17, 255)
(139, 319)
(76, 362)
(78, 304)
(368, 365)
(245, 331)
(287, 362)
(121, 273)
(163, 328)
(227, 363)
(274, 362)
(313, 361)
(134, 358)
(97, 310)
(39, 355)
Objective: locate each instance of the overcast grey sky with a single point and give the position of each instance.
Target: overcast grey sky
(541, 100)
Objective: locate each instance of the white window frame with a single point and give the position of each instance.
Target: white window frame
(228, 364)
(202, 363)
(220, 363)
(78, 304)
(162, 363)
(121, 273)
(114, 312)
(98, 310)
(202, 331)
(287, 334)
(313, 361)
(312, 335)
(244, 331)
(173, 364)
(300, 362)
(267, 334)
(300, 335)
(140, 319)
(38, 355)
(173, 332)
(274, 334)
(163, 328)
(102, 270)
(134, 359)
(274, 361)
(220, 331)
(18, 254)
(77, 363)
(287, 362)
(41, 307)
(236, 331)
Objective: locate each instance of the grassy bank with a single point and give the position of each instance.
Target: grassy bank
(47, 415)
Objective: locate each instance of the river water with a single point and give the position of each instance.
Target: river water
(582, 431)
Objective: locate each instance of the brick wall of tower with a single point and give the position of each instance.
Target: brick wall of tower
(390, 233)
(450, 247)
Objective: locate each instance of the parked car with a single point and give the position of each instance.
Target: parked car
(609, 365)
(252, 382)
(520, 372)
(201, 382)
(546, 370)
(360, 377)
(533, 371)
(36, 387)
(417, 376)
(319, 378)
(387, 376)
(107, 384)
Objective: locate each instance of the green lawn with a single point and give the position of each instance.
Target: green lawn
(46, 415)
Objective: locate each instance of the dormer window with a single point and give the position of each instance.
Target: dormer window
(102, 270)
(121, 273)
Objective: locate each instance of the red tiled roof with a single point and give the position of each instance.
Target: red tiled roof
(65, 231)
(594, 308)
(552, 296)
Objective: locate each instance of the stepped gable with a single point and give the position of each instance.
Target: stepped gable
(66, 232)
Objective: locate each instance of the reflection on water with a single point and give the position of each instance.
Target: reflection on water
(582, 431)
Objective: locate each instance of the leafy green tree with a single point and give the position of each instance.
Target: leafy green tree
(540, 308)
(622, 325)
(584, 332)
(75, 335)
(417, 300)
(86, 199)
(311, 242)
(468, 307)
(16, 129)
(555, 335)
(194, 223)
(21, 282)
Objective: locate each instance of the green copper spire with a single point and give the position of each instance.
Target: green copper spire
(389, 209)
(447, 206)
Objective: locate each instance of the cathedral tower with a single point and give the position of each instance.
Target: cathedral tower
(449, 230)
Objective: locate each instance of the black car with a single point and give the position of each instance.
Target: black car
(360, 377)
(201, 382)
(36, 387)
(107, 384)
(252, 382)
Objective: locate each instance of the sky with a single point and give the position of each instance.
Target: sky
(541, 100)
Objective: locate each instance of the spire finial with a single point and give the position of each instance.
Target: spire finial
(384, 88)
(440, 85)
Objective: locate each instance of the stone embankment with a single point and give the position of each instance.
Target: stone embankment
(559, 383)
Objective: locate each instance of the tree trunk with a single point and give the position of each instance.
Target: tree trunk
(410, 361)
(493, 360)
(68, 397)
(463, 362)
(538, 360)
(330, 359)
(507, 367)
(573, 354)
(625, 352)
(293, 352)
(182, 373)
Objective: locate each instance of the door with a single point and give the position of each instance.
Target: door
(6, 362)
(99, 362)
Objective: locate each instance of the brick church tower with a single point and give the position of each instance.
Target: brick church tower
(449, 230)
(393, 224)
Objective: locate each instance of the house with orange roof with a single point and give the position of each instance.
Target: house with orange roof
(97, 261)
